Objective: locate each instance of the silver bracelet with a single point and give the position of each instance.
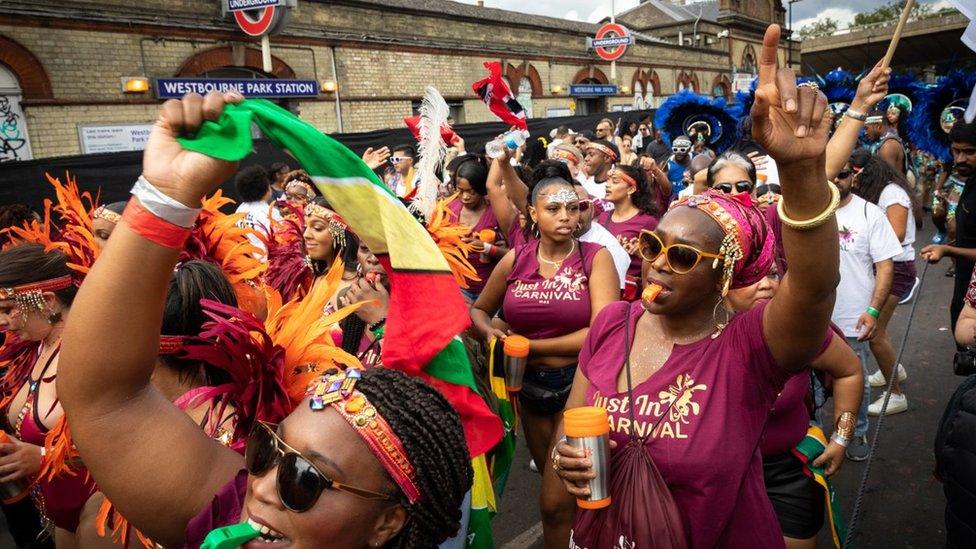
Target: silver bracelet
(856, 115)
(163, 206)
(840, 439)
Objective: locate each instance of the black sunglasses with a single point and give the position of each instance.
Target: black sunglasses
(300, 482)
(739, 186)
(843, 174)
(773, 188)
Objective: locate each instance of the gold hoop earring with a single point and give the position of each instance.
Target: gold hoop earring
(720, 326)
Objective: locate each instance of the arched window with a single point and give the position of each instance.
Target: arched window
(14, 143)
(525, 95)
(639, 102)
(749, 60)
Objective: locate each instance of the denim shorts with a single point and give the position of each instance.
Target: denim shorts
(545, 390)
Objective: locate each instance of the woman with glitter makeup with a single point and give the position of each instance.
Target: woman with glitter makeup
(690, 366)
(550, 290)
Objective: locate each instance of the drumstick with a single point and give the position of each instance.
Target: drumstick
(909, 4)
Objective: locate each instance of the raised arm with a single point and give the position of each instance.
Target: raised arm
(517, 190)
(792, 123)
(147, 456)
(501, 206)
(870, 91)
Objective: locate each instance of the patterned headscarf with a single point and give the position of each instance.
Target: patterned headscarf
(749, 244)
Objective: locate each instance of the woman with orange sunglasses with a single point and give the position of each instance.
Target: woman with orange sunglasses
(685, 384)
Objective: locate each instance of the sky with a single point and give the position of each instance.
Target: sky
(804, 11)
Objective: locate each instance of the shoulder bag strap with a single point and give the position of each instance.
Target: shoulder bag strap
(630, 386)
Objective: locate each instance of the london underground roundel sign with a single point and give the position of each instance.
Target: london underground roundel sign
(258, 17)
(611, 41)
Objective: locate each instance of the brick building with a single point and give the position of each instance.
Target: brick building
(63, 64)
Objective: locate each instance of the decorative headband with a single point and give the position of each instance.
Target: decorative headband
(337, 226)
(605, 150)
(31, 296)
(338, 390)
(309, 192)
(630, 181)
(731, 249)
(562, 196)
(562, 154)
(108, 215)
(873, 120)
(171, 345)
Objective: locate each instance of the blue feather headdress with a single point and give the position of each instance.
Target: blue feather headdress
(684, 109)
(925, 126)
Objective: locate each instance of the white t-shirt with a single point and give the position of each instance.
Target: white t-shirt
(895, 195)
(866, 238)
(598, 234)
(258, 215)
(594, 189)
(771, 171)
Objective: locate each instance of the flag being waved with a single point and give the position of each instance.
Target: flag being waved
(494, 91)
(426, 309)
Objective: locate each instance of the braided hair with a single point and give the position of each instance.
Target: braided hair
(433, 438)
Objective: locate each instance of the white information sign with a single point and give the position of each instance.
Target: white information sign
(113, 138)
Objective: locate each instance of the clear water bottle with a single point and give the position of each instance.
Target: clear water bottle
(511, 141)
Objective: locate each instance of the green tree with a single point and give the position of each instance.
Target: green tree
(890, 13)
(819, 28)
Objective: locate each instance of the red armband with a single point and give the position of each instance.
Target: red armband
(153, 228)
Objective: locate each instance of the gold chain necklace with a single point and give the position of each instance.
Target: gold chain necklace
(554, 263)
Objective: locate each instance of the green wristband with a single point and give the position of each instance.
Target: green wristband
(873, 312)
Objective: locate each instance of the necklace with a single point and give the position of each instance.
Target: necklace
(555, 263)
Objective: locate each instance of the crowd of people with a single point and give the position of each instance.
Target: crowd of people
(172, 371)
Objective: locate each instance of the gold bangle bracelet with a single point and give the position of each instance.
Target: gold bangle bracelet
(815, 222)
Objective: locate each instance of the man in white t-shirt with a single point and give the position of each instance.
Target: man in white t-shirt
(867, 246)
(598, 234)
(254, 191)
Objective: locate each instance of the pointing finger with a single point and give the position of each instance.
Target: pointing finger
(768, 57)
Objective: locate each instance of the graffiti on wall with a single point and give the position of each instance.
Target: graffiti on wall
(13, 140)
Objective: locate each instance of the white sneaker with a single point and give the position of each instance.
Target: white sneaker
(896, 405)
(533, 467)
(877, 379)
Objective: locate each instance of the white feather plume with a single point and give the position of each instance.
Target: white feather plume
(433, 114)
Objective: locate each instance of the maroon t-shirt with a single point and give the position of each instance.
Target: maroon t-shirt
(789, 418)
(627, 232)
(486, 221)
(707, 445)
(540, 308)
(224, 510)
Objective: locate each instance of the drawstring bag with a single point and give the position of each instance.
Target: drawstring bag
(643, 514)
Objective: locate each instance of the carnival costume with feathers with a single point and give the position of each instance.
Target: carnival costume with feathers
(938, 107)
(289, 270)
(270, 365)
(686, 109)
(222, 239)
(434, 214)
